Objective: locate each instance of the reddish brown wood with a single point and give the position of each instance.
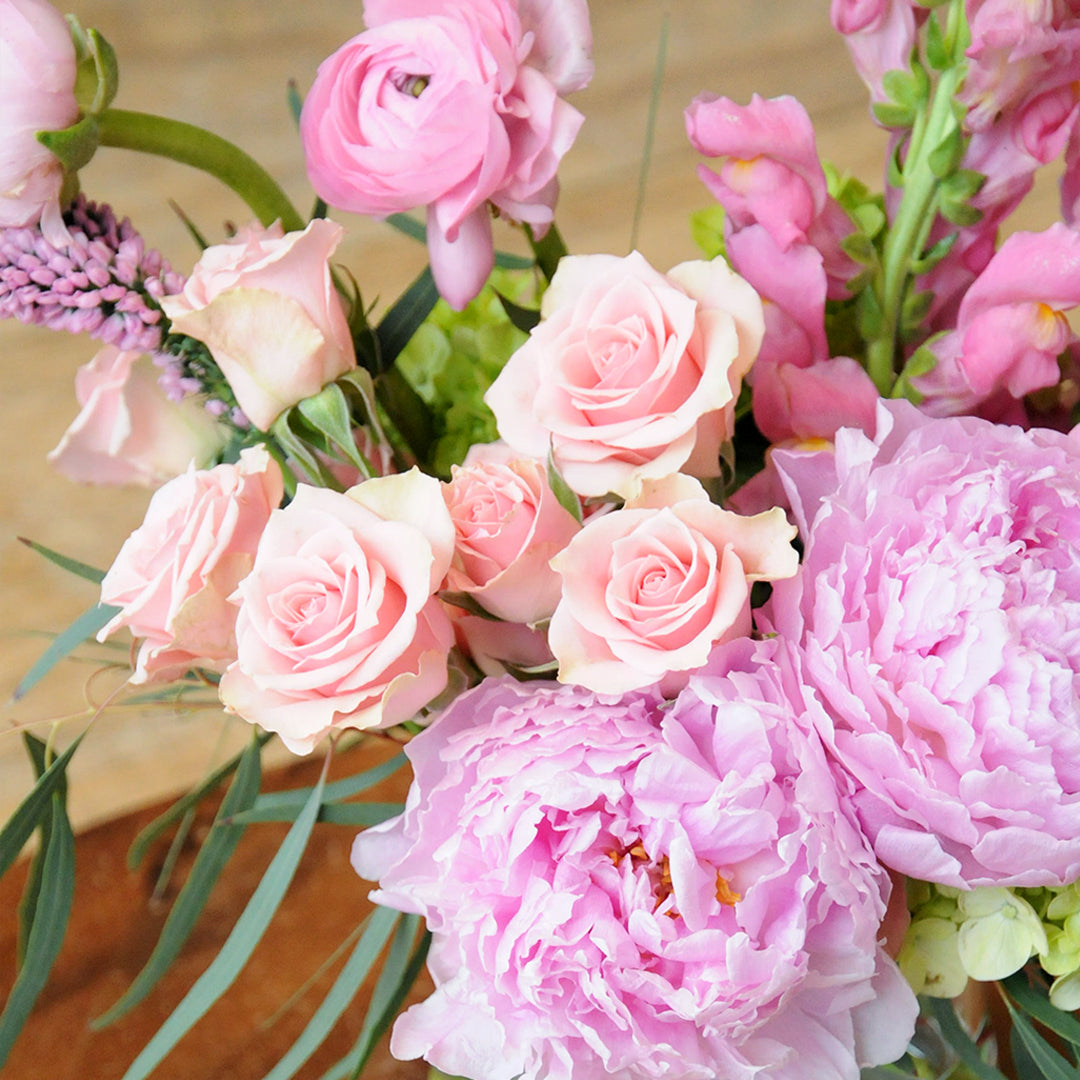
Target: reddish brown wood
(115, 924)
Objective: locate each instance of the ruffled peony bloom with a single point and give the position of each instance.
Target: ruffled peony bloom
(937, 613)
(619, 891)
(173, 577)
(631, 374)
(338, 625)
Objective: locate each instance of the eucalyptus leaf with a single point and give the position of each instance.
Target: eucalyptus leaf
(236, 951)
(349, 980)
(50, 923)
(1037, 1005)
(959, 1040)
(73, 566)
(1051, 1065)
(64, 644)
(345, 788)
(357, 815)
(38, 751)
(192, 898)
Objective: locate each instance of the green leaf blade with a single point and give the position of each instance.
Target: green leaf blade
(64, 644)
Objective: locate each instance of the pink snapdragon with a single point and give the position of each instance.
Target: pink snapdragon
(1011, 327)
(879, 34)
(450, 105)
(616, 890)
(37, 93)
(936, 613)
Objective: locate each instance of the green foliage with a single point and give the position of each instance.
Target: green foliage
(707, 229)
(454, 357)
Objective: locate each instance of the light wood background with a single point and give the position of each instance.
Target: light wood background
(225, 66)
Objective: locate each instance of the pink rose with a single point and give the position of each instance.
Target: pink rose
(37, 93)
(174, 574)
(339, 626)
(265, 306)
(649, 590)
(631, 374)
(128, 431)
(507, 525)
(449, 105)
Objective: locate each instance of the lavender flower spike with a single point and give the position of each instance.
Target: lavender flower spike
(105, 283)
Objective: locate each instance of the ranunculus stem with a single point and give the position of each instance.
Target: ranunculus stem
(204, 150)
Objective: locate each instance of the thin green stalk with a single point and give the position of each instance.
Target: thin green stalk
(911, 226)
(203, 150)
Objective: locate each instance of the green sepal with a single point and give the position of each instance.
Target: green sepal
(947, 155)
(893, 116)
(562, 491)
(871, 320)
(870, 217)
(895, 169)
(913, 311)
(858, 246)
(930, 258)
(329, 414)
(97, 75)
(938, 54)
(921, 362)
(908, 89)
(297, 444)
(707, 229)
(73, 146)
(959, 213)
(963, 184)
(467, 603)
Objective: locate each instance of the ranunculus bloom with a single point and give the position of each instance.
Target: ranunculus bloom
(649, 590)
(450, 104)
(508, 524)
(37, 93)
(128, 431)
(623, 891)
(174, 574)
(339, 626)
(265, 305)
(631, 374)
(937, 615)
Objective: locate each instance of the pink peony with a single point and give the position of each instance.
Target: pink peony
(649, 590)
(174, 574)
(937, 613)
(37, 93)
(508, 524)
(631, 374)
(450, 105)
(624, 891)
(128, 431)
(339, 626)
(265, 306)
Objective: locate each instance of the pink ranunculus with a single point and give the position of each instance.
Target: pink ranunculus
(37, 93)
(649, 590)
(265, 305)
(128, 431)
(936, 614)
(630, 374)
(621, 890)
(507, 525)
(339, 626)
(449, 105)
(174, 574)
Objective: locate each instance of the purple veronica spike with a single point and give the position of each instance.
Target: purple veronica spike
(105, 283)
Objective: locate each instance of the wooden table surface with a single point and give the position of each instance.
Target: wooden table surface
(225, 66)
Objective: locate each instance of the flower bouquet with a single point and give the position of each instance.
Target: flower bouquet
(729, 614)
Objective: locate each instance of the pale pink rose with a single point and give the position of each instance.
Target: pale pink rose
(128, 431)
(507, 524)
(174, 574)
(450, 105)
(649, 590)
(265, 305)
(631, 374)
(339, 626)
(37, 93)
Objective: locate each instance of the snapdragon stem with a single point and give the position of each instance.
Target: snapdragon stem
(910, 227)
(203, 150)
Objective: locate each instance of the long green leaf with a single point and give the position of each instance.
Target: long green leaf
(345, 988)
(1052, 1066)
(73, 566)
(942, 1011)
(1031, 1001)
(402, 320)
(395, 980)
(141, 844)
(650, 128)
(237, 950)
(354, 814)
(345, 788)
(39, 759)
(192, 898)
(50, 923)
(22, 823)
(86, 625)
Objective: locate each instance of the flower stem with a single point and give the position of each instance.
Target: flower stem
(204, 150)
(911, 225)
